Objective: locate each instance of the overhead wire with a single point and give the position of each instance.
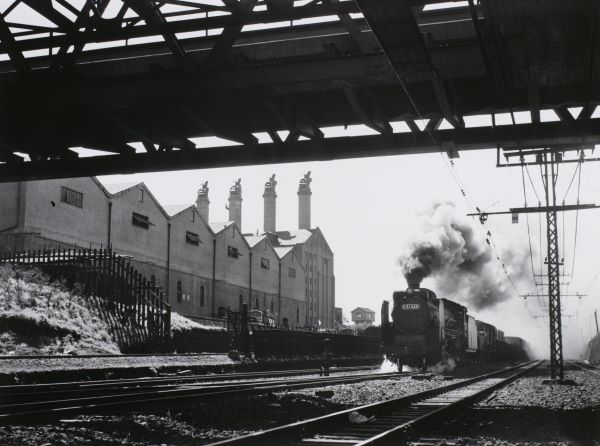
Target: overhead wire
(449, 164)
(533, 185)
(576, 224)
(501, 199)
(540, 231)
(529, 233)
(577, 168)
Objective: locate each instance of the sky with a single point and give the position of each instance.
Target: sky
(367, 209)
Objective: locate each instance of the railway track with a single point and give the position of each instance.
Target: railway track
(587, 368)
(40, 392)
(83, 400)
(392, 419)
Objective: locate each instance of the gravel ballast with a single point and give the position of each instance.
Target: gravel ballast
(208, 421)
(503, 420)
(531, 393)
(358, 394)
(19, 365)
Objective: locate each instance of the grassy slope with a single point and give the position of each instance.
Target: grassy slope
(39, 317)
(180, 323)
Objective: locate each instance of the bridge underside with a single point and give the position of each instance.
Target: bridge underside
(144, 81)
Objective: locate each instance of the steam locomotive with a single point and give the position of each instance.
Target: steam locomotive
(426, 329)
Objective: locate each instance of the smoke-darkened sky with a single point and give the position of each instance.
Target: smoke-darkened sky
(461, 258)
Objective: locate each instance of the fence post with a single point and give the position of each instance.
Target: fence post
(244, 330)
(325, 359)
(112, 278)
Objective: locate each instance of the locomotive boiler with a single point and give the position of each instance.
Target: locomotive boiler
(425, 330)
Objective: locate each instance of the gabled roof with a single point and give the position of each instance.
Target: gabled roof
(254, 240)
(117, 188)
(368, 310)
(300, 236)
(174, 209)
(218, 226)
(101, 186)
(283, 251)
(289, 238)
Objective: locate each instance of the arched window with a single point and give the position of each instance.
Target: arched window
(285, 322)
(202, 296)
(241, 302)
(297, 315)
(272, 311)
(179, 291)
(221, 312)
(257, 302)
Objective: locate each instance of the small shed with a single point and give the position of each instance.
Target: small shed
(361, 315)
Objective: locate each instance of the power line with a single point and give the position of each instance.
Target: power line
(540, 230)
(528, 231)
(533, 185)
(577, 168)
(576, 224)
(502, 199)
(452, 168)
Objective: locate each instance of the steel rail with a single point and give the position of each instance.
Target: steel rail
(38, 391)
(184, 392)
(394, 418)
(587, 368)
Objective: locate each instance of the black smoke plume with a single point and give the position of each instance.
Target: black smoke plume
(449, 248)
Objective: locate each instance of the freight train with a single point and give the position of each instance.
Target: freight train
(426, 329)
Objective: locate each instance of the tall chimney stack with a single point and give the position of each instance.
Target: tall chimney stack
(270, 200)
(304, 194)
(235, 203)
(202, 202)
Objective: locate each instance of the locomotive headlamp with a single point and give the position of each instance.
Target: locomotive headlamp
(409, 291)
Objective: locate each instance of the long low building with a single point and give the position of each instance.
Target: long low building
(204, 267)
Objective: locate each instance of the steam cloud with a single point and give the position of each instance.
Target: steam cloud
(451, 250)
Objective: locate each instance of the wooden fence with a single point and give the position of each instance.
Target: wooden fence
(132, 300)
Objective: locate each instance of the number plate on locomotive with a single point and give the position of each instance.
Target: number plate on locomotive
(411, 306)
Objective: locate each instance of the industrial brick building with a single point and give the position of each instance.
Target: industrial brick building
(204, 267)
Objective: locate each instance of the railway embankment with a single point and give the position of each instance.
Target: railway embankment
(38, 317)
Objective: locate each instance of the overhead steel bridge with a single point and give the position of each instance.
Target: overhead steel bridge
(150, 83)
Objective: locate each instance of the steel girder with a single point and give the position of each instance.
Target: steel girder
(83, 80)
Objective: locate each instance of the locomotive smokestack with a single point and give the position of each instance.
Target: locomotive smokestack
(413, 282)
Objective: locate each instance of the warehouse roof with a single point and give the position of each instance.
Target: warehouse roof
(116, 188)
(218, 226)
(287, 238)
(174, 209)
(254, 240)
(282, 251)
